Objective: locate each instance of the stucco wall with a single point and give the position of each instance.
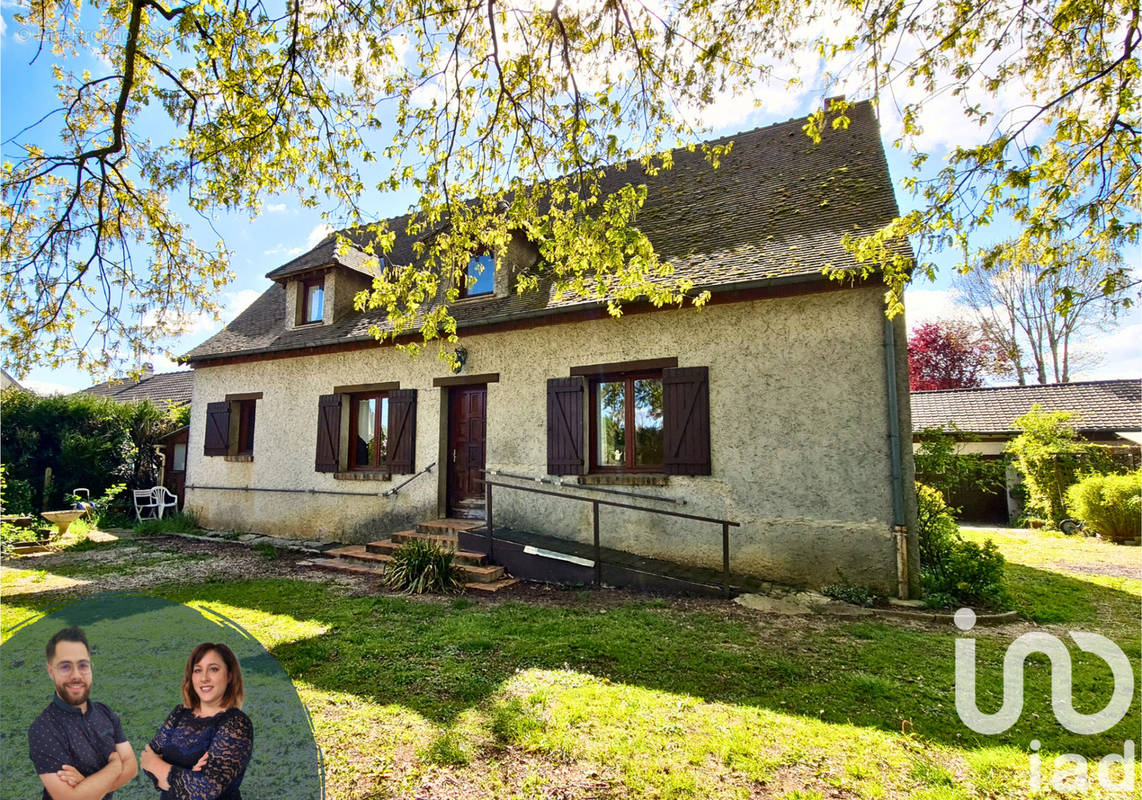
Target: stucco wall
(798, 426)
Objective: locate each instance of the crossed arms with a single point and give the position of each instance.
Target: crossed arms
(69, 784)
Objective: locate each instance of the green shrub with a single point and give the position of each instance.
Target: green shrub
(1050, 455)
(952, 568)
(86, 440)
(1110, 505)
(266, 551)
(421, 566)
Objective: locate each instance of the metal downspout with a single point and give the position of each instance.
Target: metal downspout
(899, 523)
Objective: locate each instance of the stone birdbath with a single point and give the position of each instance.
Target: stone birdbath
(63, 519)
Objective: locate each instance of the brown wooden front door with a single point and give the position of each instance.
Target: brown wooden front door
(467, 414)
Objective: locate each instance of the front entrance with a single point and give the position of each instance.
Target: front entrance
(467, 417)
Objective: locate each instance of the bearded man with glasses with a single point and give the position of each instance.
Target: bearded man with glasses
(77, 744)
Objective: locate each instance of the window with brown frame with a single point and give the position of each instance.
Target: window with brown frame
(643, 416)
(230, 426)
(479, 277)
(626, 422)
(246, 413)
(313, 300)
(369, 424)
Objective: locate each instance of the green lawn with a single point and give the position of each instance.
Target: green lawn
(600, 694)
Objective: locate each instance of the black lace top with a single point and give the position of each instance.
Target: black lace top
(229, 738)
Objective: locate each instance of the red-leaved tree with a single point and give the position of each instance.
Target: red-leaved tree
(948, 355)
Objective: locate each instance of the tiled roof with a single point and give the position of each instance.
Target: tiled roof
(775, 210)
(1099, 405)
(163, 387)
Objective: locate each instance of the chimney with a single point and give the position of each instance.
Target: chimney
(837, 98)
(148, 369)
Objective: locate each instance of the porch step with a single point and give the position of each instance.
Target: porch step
(443, 540)
(357, 558)
(448, 526)
(491, 588)
(387, 546)
(343, 565)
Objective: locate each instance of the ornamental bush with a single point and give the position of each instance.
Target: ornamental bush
(954, 571)
(1109, 505)
(421, 566)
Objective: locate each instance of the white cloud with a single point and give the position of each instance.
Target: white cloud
(317, 234)
(932, 305)
(47, 387)
(274, 208)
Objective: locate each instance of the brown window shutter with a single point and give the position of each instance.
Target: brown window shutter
(686, 420)
(402, 431)
(328, 432)
(565, 425)
(217, 429)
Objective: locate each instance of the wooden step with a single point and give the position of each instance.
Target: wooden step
(487, 574)
(358, 553)
(387, 546)
(449, 526)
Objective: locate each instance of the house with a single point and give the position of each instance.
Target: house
(163, 389)
(781, 406)
(7, 381)
(1108, 412)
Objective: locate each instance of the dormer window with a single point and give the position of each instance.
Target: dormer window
(480, 277)
(313, 300)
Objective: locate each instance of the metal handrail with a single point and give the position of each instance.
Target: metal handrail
(586, 487)
(396, 489)
(595, 503)
(386, 493)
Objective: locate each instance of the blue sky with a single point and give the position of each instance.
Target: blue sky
(284, 229)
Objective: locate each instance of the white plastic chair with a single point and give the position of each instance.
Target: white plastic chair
(146, 506)
(164, 499)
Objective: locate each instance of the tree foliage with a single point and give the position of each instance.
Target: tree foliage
(1050, 454)
(87, 441)
(1032, 316)
(948, 355)
(940, 465)
(500, 119)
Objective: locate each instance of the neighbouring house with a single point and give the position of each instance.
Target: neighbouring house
(1106, 412)
(7, 381)
(163, 389)
(782, 406)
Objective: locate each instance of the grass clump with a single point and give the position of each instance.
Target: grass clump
(266, 551)
(181, 522)
(447, 750)
(855, 595)
(514, 721)
(421, 566)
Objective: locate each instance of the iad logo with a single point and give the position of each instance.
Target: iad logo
(1061, 698)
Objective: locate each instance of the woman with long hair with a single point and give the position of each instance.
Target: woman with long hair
(201, 751)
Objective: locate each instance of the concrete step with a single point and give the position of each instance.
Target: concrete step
(491, 588)
(343, 565)
(448, 526)
(387, 546)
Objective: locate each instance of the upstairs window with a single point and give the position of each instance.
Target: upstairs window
(313, 300)
(480, 276)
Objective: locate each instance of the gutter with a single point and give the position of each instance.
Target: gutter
(899, 520)
(516, 316)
